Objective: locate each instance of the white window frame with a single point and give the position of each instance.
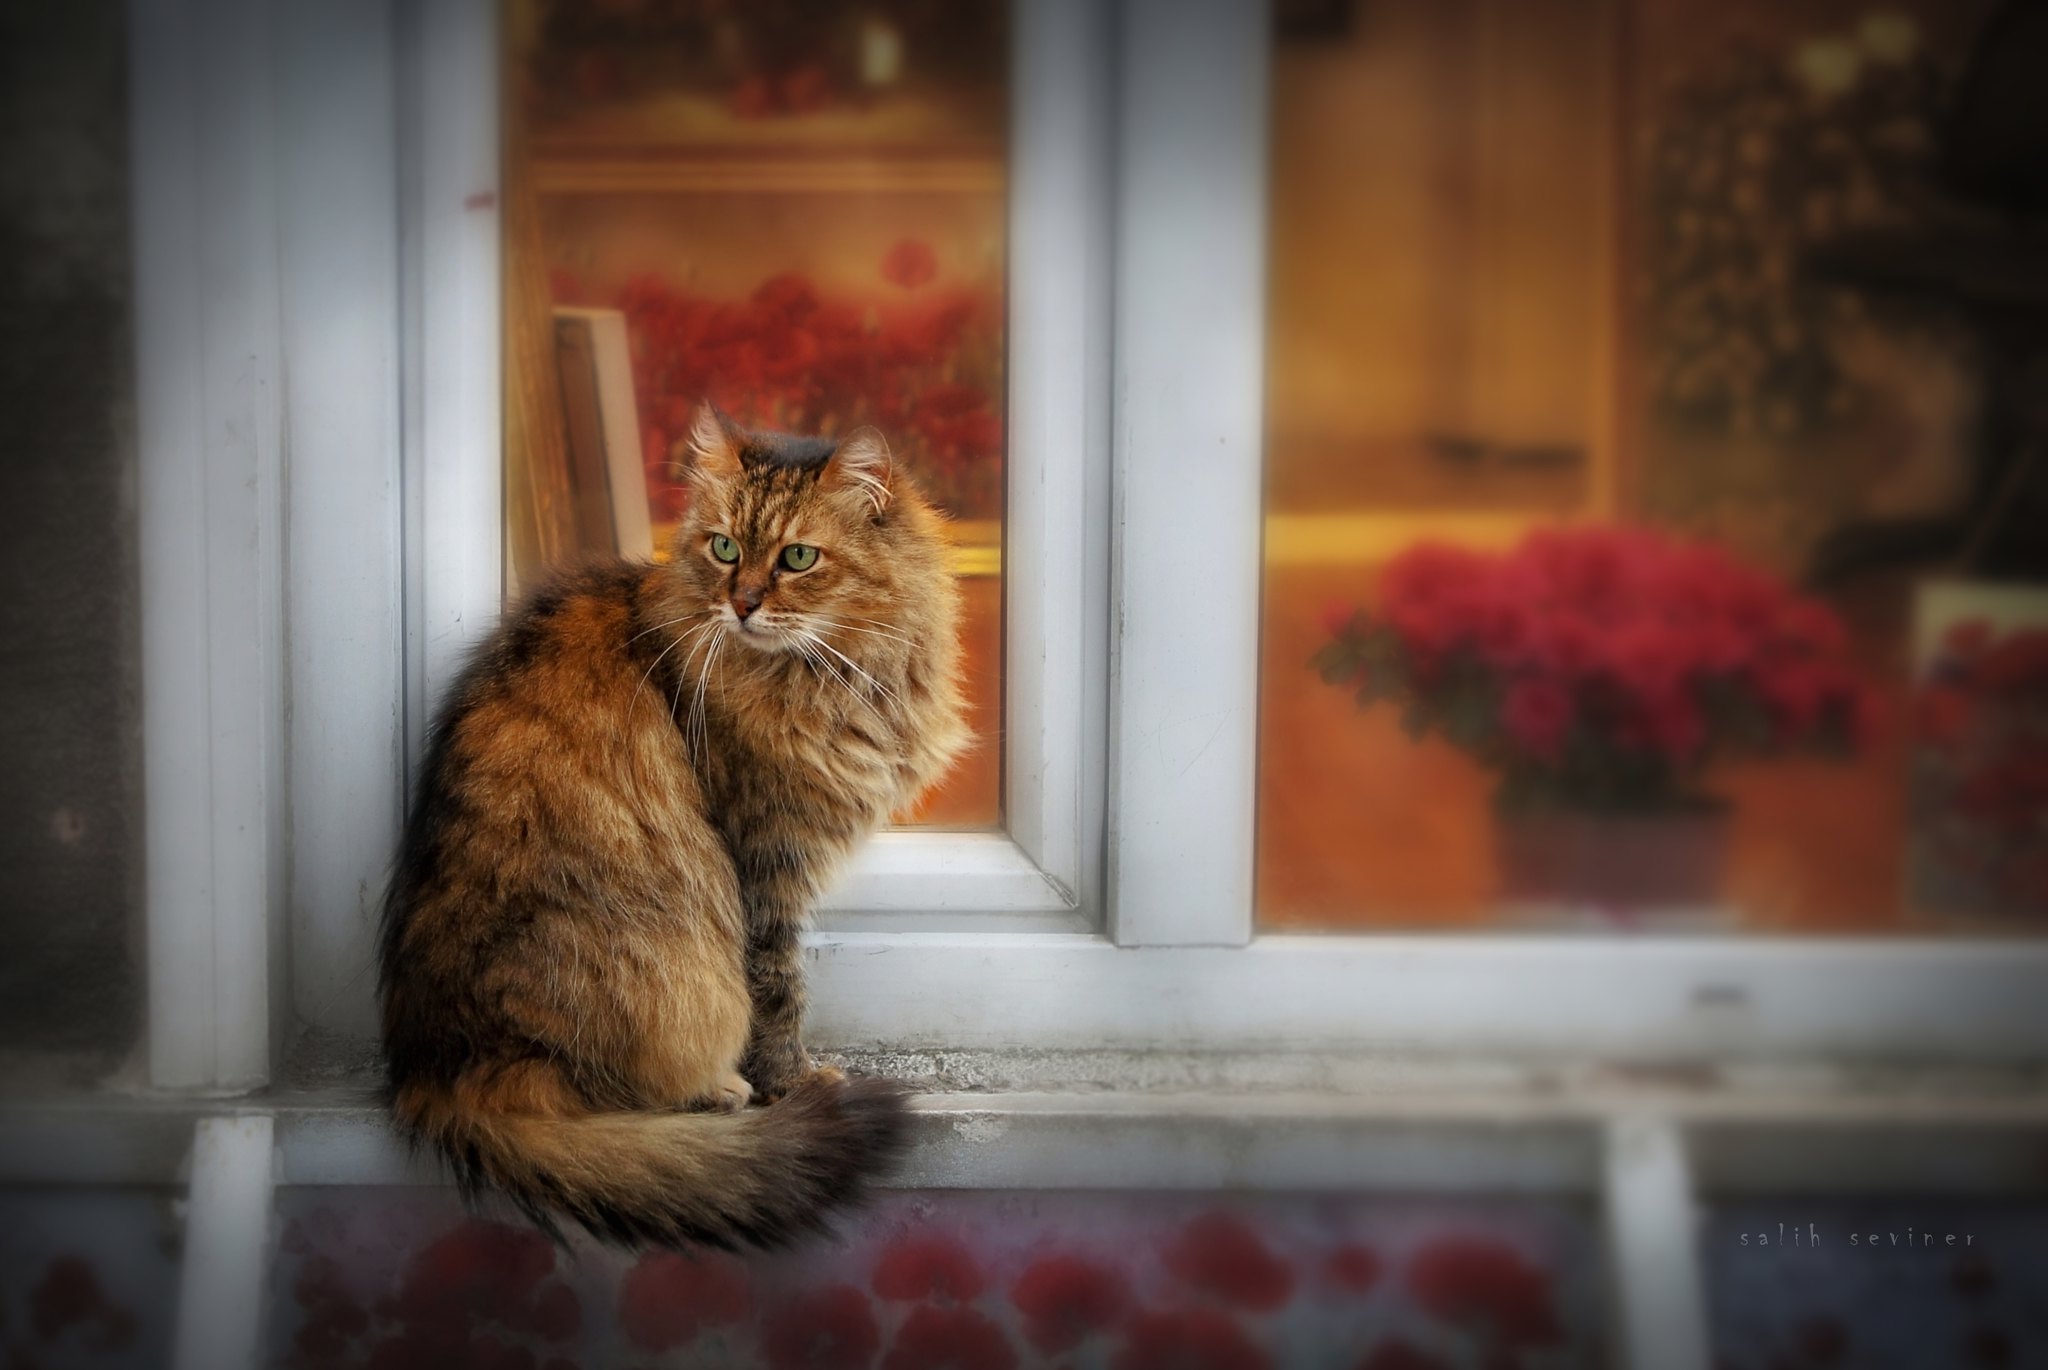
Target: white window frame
(318, 417)
(1117, 910)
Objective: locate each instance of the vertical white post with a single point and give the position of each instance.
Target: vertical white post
(221, 1284)
(1658, 1296)
(211, 529)
(453, 459)
(1190, 312)
(1058, 325)
(338, 187)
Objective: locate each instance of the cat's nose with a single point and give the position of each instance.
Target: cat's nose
(745, 602)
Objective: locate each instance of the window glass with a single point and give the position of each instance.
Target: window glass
(1823, 1280)
(957, 1278)
(72, 975)
(1652, 531)
(795, 211)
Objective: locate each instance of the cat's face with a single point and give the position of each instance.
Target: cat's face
(787, 540)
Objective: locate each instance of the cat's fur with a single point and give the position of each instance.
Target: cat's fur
(590, 958)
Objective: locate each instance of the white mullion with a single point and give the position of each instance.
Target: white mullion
(1054, 595)
(454, 455)
(1658, 1298)
(210, 533)
(1190, 311)
(339, 206)
(221, 1283)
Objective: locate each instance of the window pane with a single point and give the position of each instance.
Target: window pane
(1794, 1279)
(1652, 520)
(71, 833)
(1022, 1278)
(796, 211)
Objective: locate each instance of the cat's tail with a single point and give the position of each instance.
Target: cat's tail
(758, 1177)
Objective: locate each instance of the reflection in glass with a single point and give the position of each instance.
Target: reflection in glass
(1646, 479)
(794, 211)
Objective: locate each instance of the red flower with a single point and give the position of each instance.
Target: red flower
(788, 296)
(979, 432)
(1473, 1281)
(1354, 1268)
(1220, 1254)
(668, 1299)
(1564, 645)
(1399, 1355)
(1538, 715)
(1675, 725)
(910, 263)
(949, 399)
(928, 1267)
(1966, 639)
(1943, 714)
(949, 1339)
(1066, 1298)
(830, 1329)
(2016, 663)
(479, 1271)
(1199, 1339)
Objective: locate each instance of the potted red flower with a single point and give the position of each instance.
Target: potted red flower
(1598, 671)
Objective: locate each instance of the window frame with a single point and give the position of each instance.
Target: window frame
(317, 429)
(1119, 911)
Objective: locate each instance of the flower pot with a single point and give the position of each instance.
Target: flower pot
(1614, 869)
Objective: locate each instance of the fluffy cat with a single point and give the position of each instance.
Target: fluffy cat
(590, 961)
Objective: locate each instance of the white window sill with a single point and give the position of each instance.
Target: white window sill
(1111, 1120)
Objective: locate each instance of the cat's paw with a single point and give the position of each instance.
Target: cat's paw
(730, 1095)
(787, 1080)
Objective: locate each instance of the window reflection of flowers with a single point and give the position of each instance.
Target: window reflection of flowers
(919, 359)
(1981, 797)
(1599, 669)
(1751, 166)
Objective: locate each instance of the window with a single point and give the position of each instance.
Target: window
(802, 222)
(1194, 860)
(1558, 270)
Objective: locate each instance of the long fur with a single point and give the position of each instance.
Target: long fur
(589, 959)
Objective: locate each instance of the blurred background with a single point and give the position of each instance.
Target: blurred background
(1655, 542)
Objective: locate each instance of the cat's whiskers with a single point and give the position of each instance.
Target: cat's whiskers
(682, 675)
(890, 627)
(815, 648)
(808, 644)
(701, 724)
(706, 640)
(867, 632)
(858, 670)
(680, 618)
(681, 638)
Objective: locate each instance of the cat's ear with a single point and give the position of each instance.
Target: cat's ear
(862, 463)
(715, 440)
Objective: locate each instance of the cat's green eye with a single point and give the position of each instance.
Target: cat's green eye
(799, 557)
(724, 548)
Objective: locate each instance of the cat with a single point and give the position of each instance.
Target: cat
(590, 966)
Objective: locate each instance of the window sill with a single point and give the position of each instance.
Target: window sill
(1113, 1120)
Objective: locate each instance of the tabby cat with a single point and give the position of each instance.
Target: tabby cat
(590, 960)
